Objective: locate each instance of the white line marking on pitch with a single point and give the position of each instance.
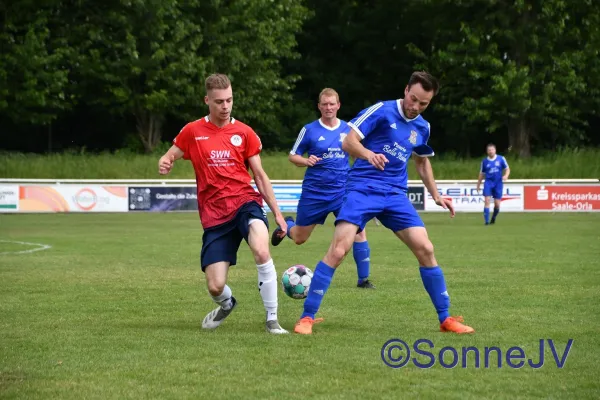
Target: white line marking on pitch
(41, 246)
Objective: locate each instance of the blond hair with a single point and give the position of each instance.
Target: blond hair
(329, 92)
(217, 81)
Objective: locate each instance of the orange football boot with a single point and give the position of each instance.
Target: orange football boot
(454, 324)
(304, 326)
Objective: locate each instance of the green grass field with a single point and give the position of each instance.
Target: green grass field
(569, 164)
(113, 309)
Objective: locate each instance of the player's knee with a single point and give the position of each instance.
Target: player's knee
(337, 253)
(425, 249)
(215, 287)
(262, 255)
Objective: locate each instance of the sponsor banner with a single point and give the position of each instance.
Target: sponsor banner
(562, 198)
(466, 198)
(72, 198)
(9, 198)
(417, 197)
(185, 198)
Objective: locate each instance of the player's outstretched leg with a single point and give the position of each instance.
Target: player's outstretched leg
(362, 257)
(258, 240)
(433, 278)
(275, 239)
(496, 210)
(341, 244)
(216, 278)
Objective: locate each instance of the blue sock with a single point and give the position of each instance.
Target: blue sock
(496, 211)
(486, 215)
(433, 280)
(318, 287)
(361, 253)
(290, 225)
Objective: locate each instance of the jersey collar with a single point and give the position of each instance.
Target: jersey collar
(493, 159)
(330, 128)
(231, 121)
(399, 104)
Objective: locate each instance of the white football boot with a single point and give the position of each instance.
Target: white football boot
(216, 317)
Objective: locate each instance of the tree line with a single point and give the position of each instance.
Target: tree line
(524, 74)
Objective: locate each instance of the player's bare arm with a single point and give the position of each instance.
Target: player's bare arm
(165, 163)
(425, 171)
(479, 180)
(263, 183)
(352, 146)
(300, 161)
(506, 174)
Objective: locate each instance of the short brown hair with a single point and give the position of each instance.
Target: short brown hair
(426, 80)
(329, 92)
(217, 81)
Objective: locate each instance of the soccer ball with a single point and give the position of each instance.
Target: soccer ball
(296, 281)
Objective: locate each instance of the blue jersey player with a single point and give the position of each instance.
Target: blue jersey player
(324, 184)
(382, 139)
(495, 170)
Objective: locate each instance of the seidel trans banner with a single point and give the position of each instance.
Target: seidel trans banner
(466, 198)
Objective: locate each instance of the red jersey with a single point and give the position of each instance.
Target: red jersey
(219, 157)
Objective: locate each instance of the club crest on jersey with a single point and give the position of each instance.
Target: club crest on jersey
(236, 140)
(343, 136)
(413, 137)
(497, 163)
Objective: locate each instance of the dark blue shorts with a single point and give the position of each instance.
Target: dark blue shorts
(311, 211)
(493, 189)
(394, 210)
(222, 242)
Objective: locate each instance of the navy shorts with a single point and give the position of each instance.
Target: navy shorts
(394, 210)
(222, 242)
(311, 211)
(493, 189)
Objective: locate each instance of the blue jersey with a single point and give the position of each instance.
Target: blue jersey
(327, 178)
(385, 130)
(492, 168)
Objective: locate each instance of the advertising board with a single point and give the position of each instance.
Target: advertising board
(9, 198)
(562, 198)
(466, 198)
(72, 198)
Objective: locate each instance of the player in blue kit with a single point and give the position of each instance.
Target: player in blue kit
(495, 170)
(382, 139)
(324, 184)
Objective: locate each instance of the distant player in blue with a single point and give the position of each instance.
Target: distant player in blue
(324, 184)
(495, 170)
(382, 139)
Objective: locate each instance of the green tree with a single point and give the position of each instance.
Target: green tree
(140, 58)
(525, 65)
(149, 58)
(249, 40)
(34, 72)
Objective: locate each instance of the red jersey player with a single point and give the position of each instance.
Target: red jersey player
(221, 149)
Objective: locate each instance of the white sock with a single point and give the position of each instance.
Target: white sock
(267, 285)
(224, 299)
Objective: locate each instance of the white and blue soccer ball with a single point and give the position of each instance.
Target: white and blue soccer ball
(296, 281)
